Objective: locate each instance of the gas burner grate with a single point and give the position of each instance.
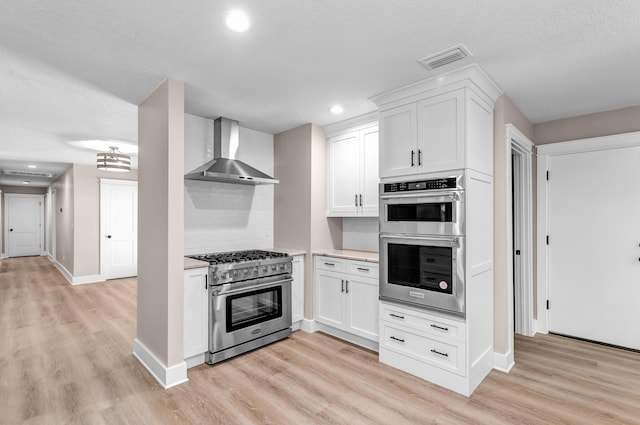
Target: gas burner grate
(238, 256)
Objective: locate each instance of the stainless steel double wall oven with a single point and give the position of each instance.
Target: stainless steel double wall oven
(422, 243)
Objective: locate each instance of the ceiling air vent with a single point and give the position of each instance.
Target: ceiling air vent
(28, 173)
(446, 57)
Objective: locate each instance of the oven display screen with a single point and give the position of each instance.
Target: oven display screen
(424, 267)
(250, 308)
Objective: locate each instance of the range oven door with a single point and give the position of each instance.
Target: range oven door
(423, 271)
(426, 213)
(244, 311)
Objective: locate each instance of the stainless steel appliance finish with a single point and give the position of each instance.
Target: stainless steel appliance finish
(249, 301)
(408, 274)
(422, 243)
(425, 207)
(225, 167)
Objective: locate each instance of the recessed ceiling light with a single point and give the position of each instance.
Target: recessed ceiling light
(32, 166)
(237, 20)
(336, 109)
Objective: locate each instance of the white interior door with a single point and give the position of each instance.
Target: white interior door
(119, 228)
(594, 245)
(23, 224)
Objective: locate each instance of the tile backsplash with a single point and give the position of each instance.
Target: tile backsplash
(225, 216)
(360, 233)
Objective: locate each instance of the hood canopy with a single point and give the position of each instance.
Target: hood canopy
(224, 167)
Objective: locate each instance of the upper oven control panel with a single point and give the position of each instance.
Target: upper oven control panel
(432, 184)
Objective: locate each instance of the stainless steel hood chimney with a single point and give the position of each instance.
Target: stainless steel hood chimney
(224, 167)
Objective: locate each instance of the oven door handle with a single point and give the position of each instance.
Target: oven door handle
(454, 241)
(452, 196)
(246, 287)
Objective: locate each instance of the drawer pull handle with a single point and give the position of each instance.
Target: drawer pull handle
(434, 351)
(440, 327)
(397, 316)
(397, 339)
(362, 269)
(329, 264)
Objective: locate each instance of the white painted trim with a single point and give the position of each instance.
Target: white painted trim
(542, 324)
(473, 74)
(616, 141)
(346, 336)
(167, 376)
(308, 325)
(196, 360)
(519, 143)
(103, 209)
(351, 124)
(77, 280)
(8, 196)
(503, 362)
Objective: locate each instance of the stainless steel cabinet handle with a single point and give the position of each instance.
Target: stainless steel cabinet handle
(439, 353)
(342, 289)
(329, 264)
(440, 327)
(397, 316)
(347, 285)
(356, 195)
(420, 157)
(206, 281)
(360, 199)
(362, 269)
(396, 339)
(413, 158)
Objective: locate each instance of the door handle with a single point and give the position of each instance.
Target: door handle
(356, 204)
(413, 158)
(108, 236)
(361, 199)
(347, 285)
(11, 230)
(342, 288)
(420, 157)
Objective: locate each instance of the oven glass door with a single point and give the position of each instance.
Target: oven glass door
(425, 267)
(441, 212)
(249, 308)
(424, 271)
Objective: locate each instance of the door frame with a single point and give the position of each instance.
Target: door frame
(53, 226)
(103, 215)
(544, 152)
(518, 144)
(7, 197)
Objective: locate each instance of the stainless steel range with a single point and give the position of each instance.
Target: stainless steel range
(249, 301)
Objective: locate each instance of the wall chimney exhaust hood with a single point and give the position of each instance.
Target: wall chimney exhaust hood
(224, 167)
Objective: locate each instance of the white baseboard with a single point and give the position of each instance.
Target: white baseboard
(167, 376)
(77, 280)
(503, 362)
(308, 325)
(349, 337)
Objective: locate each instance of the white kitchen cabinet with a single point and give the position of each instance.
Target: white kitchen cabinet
(347, 297)
(434, 127)
(196, 315)
(353, 173)
(297, 290)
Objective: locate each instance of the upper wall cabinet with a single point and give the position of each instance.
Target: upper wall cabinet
(438, 125)
(353, 172)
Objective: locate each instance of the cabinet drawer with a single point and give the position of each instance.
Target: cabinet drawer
(362, 268)
(330, 263)
(442, 353)
(424, 322)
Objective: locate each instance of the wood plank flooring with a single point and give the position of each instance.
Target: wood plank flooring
(65, 358)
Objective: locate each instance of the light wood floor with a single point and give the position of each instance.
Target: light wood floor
(65, 358)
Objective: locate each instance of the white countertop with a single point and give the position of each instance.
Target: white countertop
(190, 263)
(349, 254)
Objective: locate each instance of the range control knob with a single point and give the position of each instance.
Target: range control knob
(443, 285)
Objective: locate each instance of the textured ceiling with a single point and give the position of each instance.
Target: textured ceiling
(74, 70)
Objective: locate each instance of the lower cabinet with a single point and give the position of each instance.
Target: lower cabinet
(432, 346)
(196, 315)
(297, 291)
(347, 297)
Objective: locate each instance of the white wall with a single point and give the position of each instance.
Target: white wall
(225, 216)
(360, 233)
